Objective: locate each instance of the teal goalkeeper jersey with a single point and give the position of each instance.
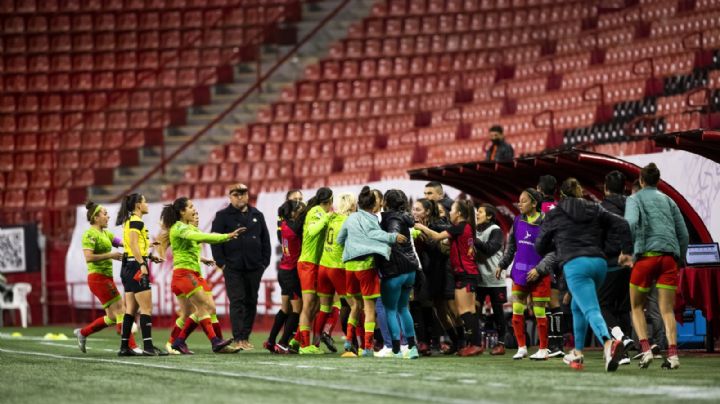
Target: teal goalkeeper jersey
(332, 250)
(185, 241)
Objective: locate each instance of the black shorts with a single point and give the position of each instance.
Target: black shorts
(467, 282)
(127, 275)
(497, 294)
(449, 285)
(289, 283)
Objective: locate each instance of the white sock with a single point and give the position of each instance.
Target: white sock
(617, 333)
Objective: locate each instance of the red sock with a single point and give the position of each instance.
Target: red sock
(350, 333)
(331, 321)
(207, 327)
(218, 330)
(672, 350)
(369, 341)
(190, 326)
(319, 322)
(298, 336)
(304, 338)
(131, 342)
(94, 327)
(518, 323)
(174, 333)
(542, 328)
(360, 335)
(644, 345)
(118, 328)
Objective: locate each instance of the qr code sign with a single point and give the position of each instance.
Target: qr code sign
(12, 250)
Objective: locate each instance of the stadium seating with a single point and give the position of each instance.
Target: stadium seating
(77, 77)
(419, 82)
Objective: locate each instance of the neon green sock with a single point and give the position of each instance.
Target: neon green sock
(108, 321)
(325, 308)
(214, 319)
(518, 308)
(539, 311)
(180, 322)
(337, 305)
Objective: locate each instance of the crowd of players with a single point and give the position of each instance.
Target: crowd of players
(409, 279)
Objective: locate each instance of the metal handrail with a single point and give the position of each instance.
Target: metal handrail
(161, 166)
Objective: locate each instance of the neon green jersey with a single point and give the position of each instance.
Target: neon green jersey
(185, 241)
(99, 242)
(313, 235)
(332, 250)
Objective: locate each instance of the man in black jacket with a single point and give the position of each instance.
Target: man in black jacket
(500, 150)
(242, 260)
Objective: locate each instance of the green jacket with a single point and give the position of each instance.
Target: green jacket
(656, 223)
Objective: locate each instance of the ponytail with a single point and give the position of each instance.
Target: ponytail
(366, 199)
(171, 212)
(466, 209)
(323, 195)
(127, 207)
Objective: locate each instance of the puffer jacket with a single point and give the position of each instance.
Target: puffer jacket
(402, 257)
(614, 203)
(576, 227)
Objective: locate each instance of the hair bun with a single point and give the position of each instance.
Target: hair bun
(90, 205)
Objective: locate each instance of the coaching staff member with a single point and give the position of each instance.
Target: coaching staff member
(242, 260)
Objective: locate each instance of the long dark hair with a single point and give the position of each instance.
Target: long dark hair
(286, 210)
(366, 199)
(466, 209)
(323, 195)
(127, 207)
(171, 212)
(432, 210)
(490, 211)
(396, 200)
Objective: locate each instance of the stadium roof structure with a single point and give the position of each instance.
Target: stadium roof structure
(500, 184)
(705, 143)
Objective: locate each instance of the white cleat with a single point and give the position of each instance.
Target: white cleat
(170, 350)
(672, 362)
(81, 340)
(645, 360)
(384, 353)
(540, 355)
(521, 353)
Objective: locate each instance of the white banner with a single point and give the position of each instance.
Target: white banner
(163, 299)
(12, 250)
(695, 177)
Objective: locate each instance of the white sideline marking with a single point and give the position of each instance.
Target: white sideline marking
(74, 346)
(305, 383)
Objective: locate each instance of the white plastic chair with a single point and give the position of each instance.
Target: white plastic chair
(19, 302)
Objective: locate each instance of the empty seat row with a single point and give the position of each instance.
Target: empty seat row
(64, 160)
(72, 140)
(61, 178)
(34, 199)
(54, 122)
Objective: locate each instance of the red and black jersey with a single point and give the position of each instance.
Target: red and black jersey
(291, 246)
(462, 249)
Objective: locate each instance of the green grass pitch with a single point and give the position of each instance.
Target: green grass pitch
(37, 371)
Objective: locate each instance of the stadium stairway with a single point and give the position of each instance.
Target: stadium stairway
(224, 95)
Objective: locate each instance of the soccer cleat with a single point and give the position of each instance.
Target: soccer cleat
(628, 342)
(154, 351)
(574, 360)
(180, 346)
(625, 359)
(672, 362)
(170, 350)
(470, 350)
(613, 352)
(128, 352)
(411, 353)
(230, 349)
(269, 346)
(245, 345)
(349, 347)
(310, 350)
(218, 344)
(366, 353)
(447, 349)
(137, 350)
(540, 355)
(555, 352)
(385, 352)
(281, 349)
(645, 359)
(294, 344)
(521, 353)
(424, 349)
(326, 339)
(81, 340)
(498, 349)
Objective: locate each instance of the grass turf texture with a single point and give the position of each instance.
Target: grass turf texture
(36, 370)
